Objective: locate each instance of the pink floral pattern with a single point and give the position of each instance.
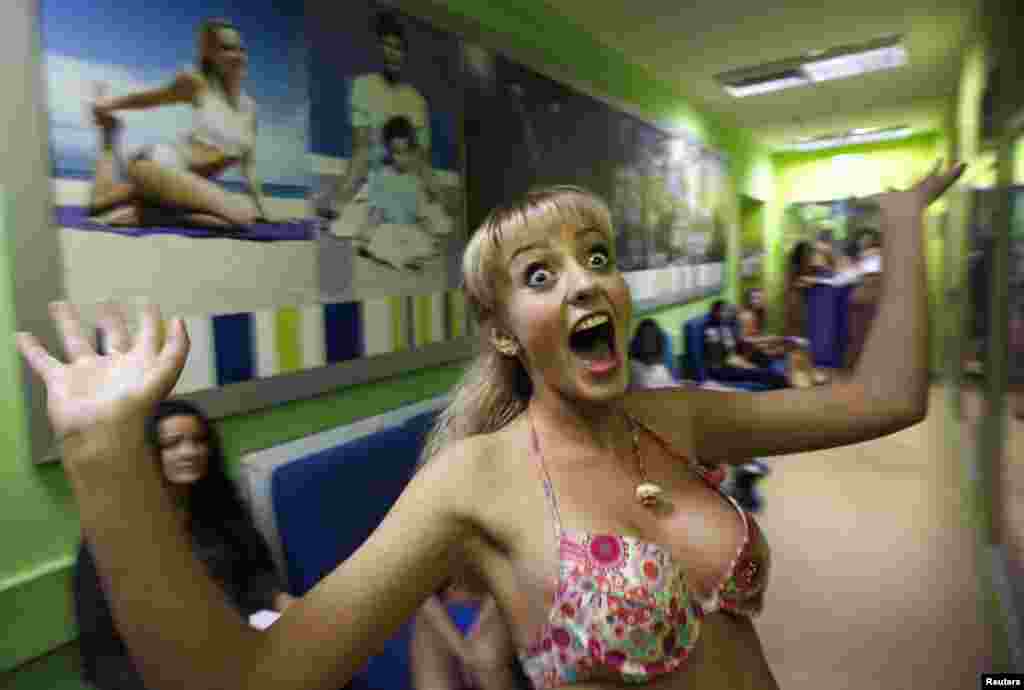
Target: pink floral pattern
(623, 607)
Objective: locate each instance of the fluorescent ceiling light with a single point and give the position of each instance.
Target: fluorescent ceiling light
(839, 63)
(765, 86)
(843, 66)
(849, 139)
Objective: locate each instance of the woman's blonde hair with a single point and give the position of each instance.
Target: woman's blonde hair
(496, 388)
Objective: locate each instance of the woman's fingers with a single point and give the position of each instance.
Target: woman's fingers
(41, 361)
(76, 344)
(171, 359)
(151, 331)
(935, 184)
(115, 328)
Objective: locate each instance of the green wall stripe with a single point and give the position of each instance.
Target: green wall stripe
(288, 340)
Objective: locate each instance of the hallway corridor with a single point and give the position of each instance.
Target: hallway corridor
(873, 567)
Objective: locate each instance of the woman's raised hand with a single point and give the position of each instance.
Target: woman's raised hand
(921, 195)
(93, 391)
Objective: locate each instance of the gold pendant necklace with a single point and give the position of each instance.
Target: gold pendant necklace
(647, 493)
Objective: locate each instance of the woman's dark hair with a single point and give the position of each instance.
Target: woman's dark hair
(851, 248)
(717, 308)
(388, 24)
(213, 500)
(398, 127)
(638, 349)
(798, 257)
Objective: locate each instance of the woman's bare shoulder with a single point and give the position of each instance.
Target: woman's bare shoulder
(189, 83)
(484, 458)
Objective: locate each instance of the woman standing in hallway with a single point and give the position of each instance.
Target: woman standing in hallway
(594, 516)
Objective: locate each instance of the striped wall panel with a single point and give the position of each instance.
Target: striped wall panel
(232, 348)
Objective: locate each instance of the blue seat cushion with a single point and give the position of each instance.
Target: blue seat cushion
(327, 504)
(693, 341)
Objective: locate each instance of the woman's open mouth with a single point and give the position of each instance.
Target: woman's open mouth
(593, 341)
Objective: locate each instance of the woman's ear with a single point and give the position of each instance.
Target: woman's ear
(504, 344)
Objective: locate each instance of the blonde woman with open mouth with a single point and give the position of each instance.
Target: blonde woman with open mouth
(592, 514)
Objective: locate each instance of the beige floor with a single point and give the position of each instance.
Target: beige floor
(873, 567)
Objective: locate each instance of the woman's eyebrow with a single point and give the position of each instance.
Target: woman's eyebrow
(525, 248)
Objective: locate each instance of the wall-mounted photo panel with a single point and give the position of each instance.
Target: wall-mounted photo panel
(179, 153)
(386, 108)
(524, 130)
(1016, 339)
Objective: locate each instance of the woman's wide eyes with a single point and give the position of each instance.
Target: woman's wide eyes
(537, 274)
(602, 255)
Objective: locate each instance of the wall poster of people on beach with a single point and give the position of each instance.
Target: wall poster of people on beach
(178, 137)
(386, 109)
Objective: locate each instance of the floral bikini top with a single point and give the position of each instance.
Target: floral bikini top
(623, 608)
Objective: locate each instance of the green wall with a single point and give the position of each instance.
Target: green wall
(39, 517)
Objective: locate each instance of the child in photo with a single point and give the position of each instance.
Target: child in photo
(402, 228)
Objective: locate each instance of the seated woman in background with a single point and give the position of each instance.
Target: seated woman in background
(724, 362)
(778, 352)
(647, 357)
(754, 344)
(460, 641)
(223, 538)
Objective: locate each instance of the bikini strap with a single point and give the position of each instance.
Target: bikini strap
(544, 476)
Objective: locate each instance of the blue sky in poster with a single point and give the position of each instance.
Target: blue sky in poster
(142, 45)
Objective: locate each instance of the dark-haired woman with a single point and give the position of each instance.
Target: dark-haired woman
(191, 465)
(647, 357)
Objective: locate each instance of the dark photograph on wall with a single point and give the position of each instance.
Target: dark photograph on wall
(524, 130)
(1016, 334)
(980, 261)
(386, 106)
(179, 145)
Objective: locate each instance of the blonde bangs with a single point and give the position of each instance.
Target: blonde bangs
(546, 208)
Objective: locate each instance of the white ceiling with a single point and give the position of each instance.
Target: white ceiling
(687, 46)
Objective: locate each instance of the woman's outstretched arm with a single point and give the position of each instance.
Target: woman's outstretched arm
(182, 90)
(887, 391)
(171, 614)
